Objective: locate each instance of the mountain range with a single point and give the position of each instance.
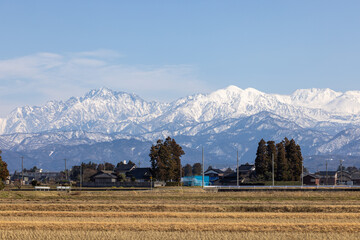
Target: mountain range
(106, 125)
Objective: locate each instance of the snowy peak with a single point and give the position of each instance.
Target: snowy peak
(314, 98)
(107, 111)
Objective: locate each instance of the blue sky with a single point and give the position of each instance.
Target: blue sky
(163, 50)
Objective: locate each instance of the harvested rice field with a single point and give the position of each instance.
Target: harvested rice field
(179, 213)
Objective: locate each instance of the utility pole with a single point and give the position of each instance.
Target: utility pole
(273, 179)
(203, 176)
(302, 174)
(65, 170)
(180, 171)
(341, 173)
(237, 168)
(81, 176)
(326, 176)
(22, 170)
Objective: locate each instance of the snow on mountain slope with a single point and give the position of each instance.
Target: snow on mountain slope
(347, 103)
(23, 141)
(107, 111)
(313, 98)
(341, 141)
(98, 111)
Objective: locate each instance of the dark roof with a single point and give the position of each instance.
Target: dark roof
(213, 169)
(355, 175)
(228, 171)
(246, 167)
(104, 174)
(125, 167)
(312, 175)
(326, 173)
(140, 173)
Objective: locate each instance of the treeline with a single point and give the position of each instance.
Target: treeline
(287, 160)
(4, 172)
(90, 168)
(194, 170)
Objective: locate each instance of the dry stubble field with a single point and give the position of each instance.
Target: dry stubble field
(179, 213)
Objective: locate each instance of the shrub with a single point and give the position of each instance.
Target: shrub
(35, 183)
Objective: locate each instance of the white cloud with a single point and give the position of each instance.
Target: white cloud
(100, 53)
(35, 79)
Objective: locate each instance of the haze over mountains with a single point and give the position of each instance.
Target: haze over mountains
(105, 125)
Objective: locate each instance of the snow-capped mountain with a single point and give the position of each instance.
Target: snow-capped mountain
(230, 118)
(107, 111)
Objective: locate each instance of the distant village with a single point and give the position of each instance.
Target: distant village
(128, 174)
(281, 162)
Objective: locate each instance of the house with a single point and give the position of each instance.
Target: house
(344, 177)
(25, 178)
(246, 169)
(213, 174)
(311, 179)
(140, 174)
(123, 167)
(44, 177)
(104, 177)
(355, 178)
(228, 171)
(246, 172)
(327, 177)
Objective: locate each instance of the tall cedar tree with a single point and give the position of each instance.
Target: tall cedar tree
(176, 153)
(287, 160)
(293, 160)
(299, 162)
(165, 159)
(271, 152)
(187, 170)
(4, 173)
(196, 169)
(282, 170)
(262, 160)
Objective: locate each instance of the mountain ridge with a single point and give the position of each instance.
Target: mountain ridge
(324, 122)
(114, 111)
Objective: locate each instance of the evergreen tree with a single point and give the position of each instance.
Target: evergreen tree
(4, 172)
(187, 170)
(287, 160)
(293, 155)
(109, 166)
(197, 169)
(299, 163)
(154, 158)
(261, 161)
(282, 171)
(165, 159)
(176, 153)
(271, 152)
(88, 169)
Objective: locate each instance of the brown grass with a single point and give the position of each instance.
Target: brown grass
(178, 214)
(154, 235)
(95, 207)
(175, 226)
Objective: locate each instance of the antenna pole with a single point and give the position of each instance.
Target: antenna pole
(22, 170)
(237, 168)
(81, 176)
(326, 177)
(65, 170)
(203, 176)
(273, 179)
